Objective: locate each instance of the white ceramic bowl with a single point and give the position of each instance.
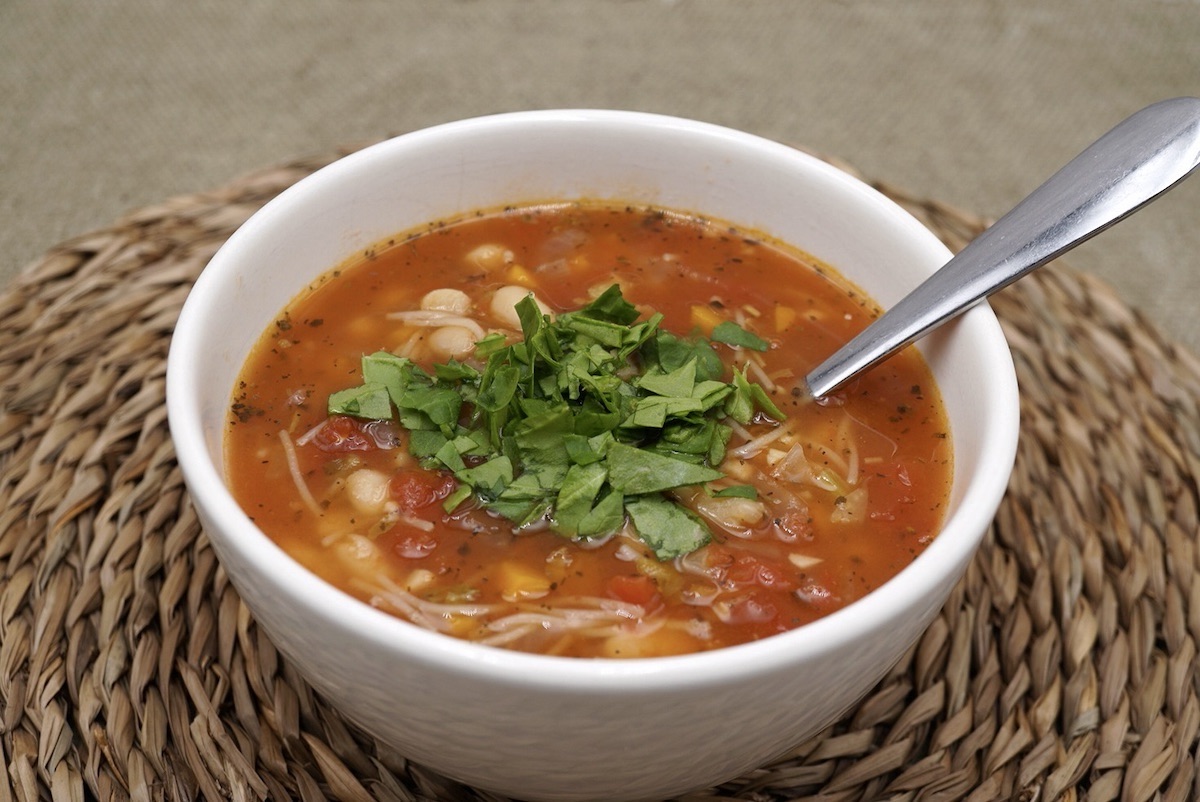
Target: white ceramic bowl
(558, 728)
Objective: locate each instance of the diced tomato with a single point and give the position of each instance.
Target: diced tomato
(820, 593)
(797, 525)
(343, 433)
(744, 569)
(751, 609)
(416, 489)
(633, 588)
(413, 544)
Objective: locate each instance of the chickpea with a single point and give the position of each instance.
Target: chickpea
(446, 299)
(357, 552)
(490, 256)
(452, 341)
(418, 580)
(504, 303)
(368, 489)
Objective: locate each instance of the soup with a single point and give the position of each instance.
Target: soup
(580, 429)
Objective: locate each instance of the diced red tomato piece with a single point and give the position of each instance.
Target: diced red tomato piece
(820, 593)
(343, 433)
(416, 489)
(752, 609)
(413, 544)
(633, 588)
(751, 569)
(798, 525)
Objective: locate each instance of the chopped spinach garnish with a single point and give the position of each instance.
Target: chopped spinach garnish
(737, 491)
(731, 333)
(589, 418)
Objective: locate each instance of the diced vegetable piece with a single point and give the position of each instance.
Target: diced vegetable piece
(633, 588)
(518, 582)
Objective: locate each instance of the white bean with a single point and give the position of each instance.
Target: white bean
(357, 552)
(504, 304)
(418, 580)
(490, 256)
(447, 299)
(452, 341)
(368, 489)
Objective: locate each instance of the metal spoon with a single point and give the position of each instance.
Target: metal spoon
(1125, 169)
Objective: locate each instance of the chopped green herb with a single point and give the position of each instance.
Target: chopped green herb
(367, 401)
(638, 471)
(737, 491)
(731, 333)
(746, 397)
(585, 421)
(666, 527)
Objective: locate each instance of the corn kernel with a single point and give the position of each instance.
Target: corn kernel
(705, 318)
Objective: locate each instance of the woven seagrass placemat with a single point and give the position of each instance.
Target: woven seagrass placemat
(1063, 667)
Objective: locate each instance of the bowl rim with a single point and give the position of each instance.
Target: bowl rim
(648, 674)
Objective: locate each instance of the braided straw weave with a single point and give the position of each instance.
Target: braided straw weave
(1063, 667)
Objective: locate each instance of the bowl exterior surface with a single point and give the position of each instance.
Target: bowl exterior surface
(555, 728)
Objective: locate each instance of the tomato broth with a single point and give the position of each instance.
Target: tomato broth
(802, 506)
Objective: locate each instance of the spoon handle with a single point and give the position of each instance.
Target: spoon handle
(1125, 169)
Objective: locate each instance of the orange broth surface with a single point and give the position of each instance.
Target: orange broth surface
(849, 490)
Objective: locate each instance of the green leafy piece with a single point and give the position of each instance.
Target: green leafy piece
(370, 401)
(438, 405)
(605, 517)
(695, 443)
(524, 501)
(580, 488)
(638, 336)
(498, 388)
(449, 457)
(764, 402)
(423, 443)
(457, 497)
(454, 371)
(653, 412)
(737, 491)
(611, 305)
(636, 471)
(531, 317)
(610, 335)
(710, 393)
(490, 345)
(680, 382)
(542, 436)
(667, 528)
(720, 439)
(393, 372)
(473, 443)
(592, 422)
(672, 352)
(748, 396)
(490, 478)
(648, 413)
(731, 333)
(586, 450)
(739, 404)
